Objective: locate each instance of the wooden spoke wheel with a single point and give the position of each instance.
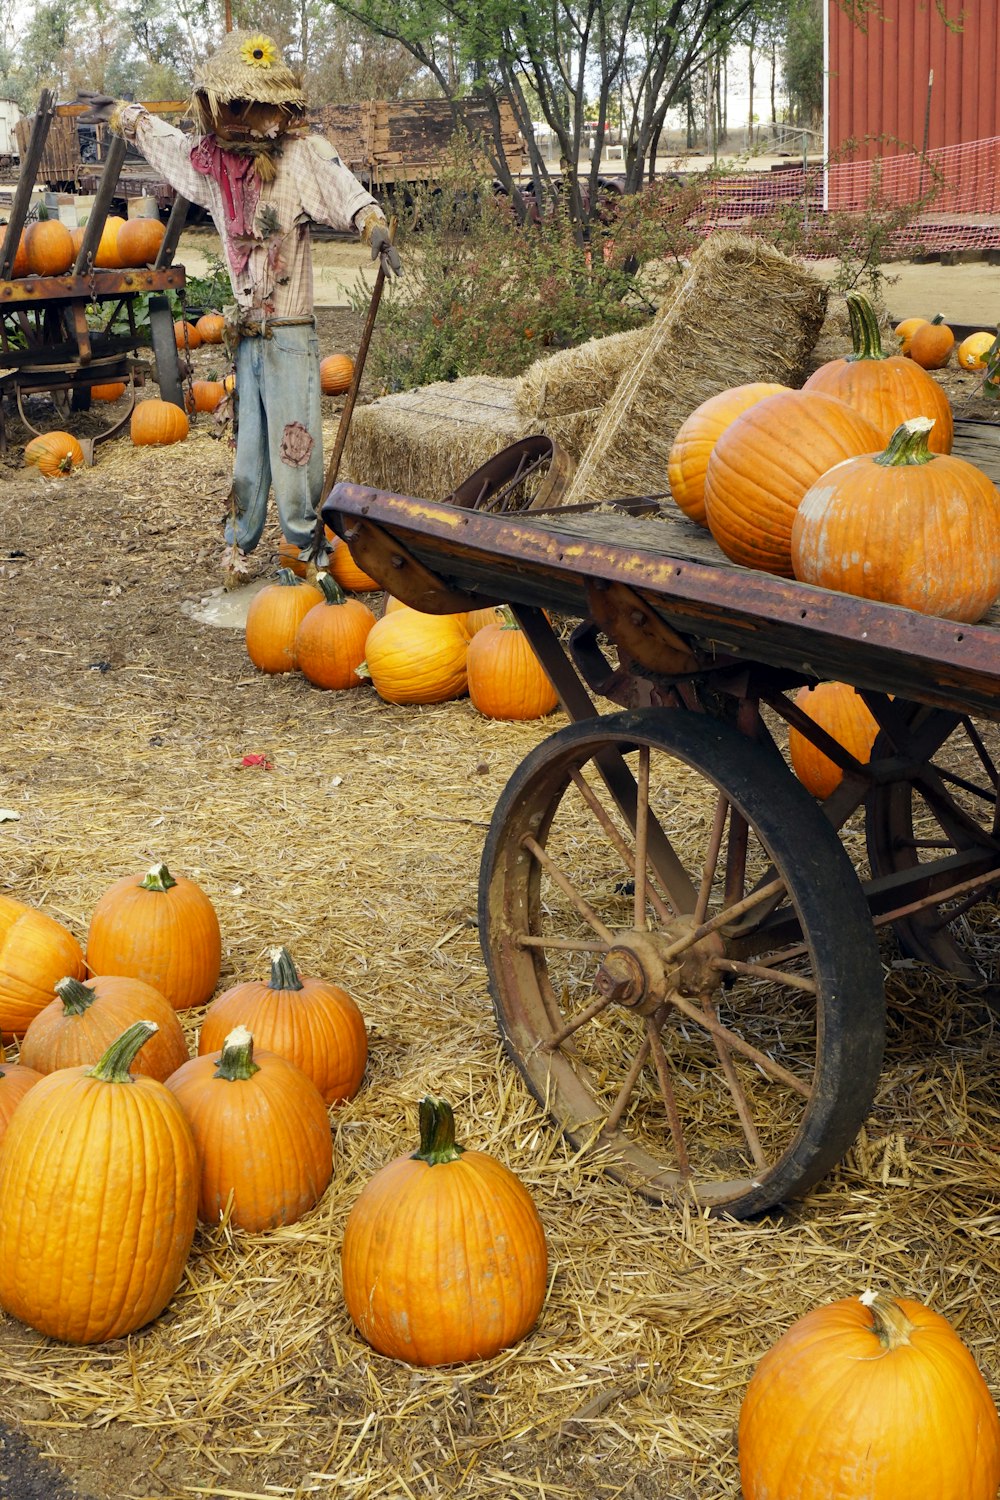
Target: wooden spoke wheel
(683, 967)
(942, 818)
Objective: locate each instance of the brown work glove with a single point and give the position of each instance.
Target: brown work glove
(385, 252)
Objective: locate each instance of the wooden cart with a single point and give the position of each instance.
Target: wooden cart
(680, 941)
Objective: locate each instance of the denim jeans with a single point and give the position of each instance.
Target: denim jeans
(279, 437)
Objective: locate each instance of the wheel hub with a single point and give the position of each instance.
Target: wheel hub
(639, 972)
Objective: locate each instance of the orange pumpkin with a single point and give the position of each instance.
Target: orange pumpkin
(843, 713)
(828, 1413)
(765, 461)
(932, 343)
(345, 570)
(312, 1022)
(330, 640)
(273, 619)
(886, 389)
(288, 557)
(972, 351)
(106, 255)
(262, 1133)
(186, 335)
(478, 619)
(906, 526)
(696, 437)
(98, 1199)
(49, 246)
(905, 330)
(54, 454)
(506, 679)
(21, 266)
(139, 241)
(35, 952)
(79, 1025)
(159, 928)
(336, 372)
(76, 235)
(158, 423)
(443, 1257)
(206, 394)
(211, 327)
(113, 390)
(15, 1081)
(416, 658)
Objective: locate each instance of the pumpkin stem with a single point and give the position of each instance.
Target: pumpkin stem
(937, 318)
(236, 1064)
(363, 671)
(284, 974)
(287, 578)
(159, 878)
(892, 1326)
(114, 1066)
(908, 444)
(507, 621)
(332, 591)
(865, 336)
(75, 996)
(437, 1133)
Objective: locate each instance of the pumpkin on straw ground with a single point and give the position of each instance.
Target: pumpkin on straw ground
(261, 1131)
(506, 679)
(160, 928)
(839, 709)
(273, 619)
(444, 1256)
(157, 424)
(36, 951)
(54, 454)
(86, 1016)
(416, 658)
(330, 640)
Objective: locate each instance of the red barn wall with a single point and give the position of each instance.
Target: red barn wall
(877, 78)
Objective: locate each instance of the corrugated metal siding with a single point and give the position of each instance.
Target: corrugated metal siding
(878, 77)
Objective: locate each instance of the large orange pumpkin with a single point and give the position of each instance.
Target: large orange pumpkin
(211, 327)
(106, 255)
(79, 1025)
(111, 390)
(35, 952)
(206, 394)
(905, 330)
(506, 679)
(336, 372)
(345, 570)
(416, 658)
(830, 1411)
(330, 640)
(906, 526)
(157, 424)
(15, 1081)
(98, 1199)
(262, 1133)
(186, 335)
(139, 241)
(312, 1022)
(54, 454)
(843, 713)
(49, 247)
(932, 343)
(885, 388)
(696, 437)
(21, 266)
(443, 1258)
(160, 928)
(273, 619)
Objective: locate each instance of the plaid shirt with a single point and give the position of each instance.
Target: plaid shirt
(311, 183)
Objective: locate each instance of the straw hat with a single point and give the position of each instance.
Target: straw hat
(248, 65)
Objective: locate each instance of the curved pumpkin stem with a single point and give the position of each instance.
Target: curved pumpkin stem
(332, 591)
(507, 621)
(891, 1325)
(908, 444)
(114, 1066)
(75, 996)
(287, 578)
(284, 974)
(159, 878)
(236, 1063)
(865, 336)
(437, 1133)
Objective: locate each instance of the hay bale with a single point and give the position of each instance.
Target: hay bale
(573, 431)
(425, 442)
(743, 312)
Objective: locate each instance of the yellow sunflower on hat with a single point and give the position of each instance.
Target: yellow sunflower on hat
(259, 52)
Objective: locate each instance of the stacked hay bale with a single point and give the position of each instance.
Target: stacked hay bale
(744, 312)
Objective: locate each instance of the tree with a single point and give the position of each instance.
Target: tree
(549, 60)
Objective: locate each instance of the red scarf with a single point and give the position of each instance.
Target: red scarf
(239, 185)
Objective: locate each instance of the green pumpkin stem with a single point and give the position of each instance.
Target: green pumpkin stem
(75, 996)
(865, 336)
(908, 444)
(287, 578)
(437, 1133)
(892, 1326)
(114, 1066)
(332, 592)
(284, 974)
(507, 620)
(158, 879)
(236, 1063)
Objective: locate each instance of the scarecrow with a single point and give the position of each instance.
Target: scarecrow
(262, 176)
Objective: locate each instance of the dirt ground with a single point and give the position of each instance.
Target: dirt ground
(127, 728)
